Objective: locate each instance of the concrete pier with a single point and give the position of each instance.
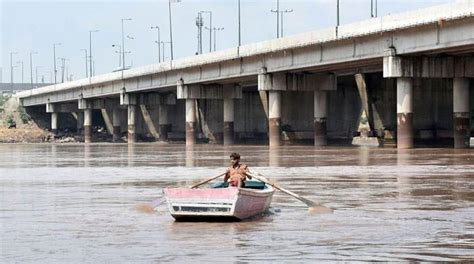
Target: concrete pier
(461, 113)
(320, 116)
(404, 113)
(87, 125)
(132, 112)
(116, 133)
(228, 121)
(79, 121)
(190, 121)
(54, 122)
(163, 122)
(274, 118)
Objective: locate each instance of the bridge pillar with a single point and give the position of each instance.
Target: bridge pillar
(164, 124)
(54, 122)
(274, 118)
(132, 114)
(228, 121)
(79, 121)
(190, 121)
(461, 113)
(320, 116)
(116, 133)
(404, 113)
(87, 125)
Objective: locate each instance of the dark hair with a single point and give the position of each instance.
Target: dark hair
(235, 156)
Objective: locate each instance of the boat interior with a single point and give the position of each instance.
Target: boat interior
(248, 185)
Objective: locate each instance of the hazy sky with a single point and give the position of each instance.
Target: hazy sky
(35, 25)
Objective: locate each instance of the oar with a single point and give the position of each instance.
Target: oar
(312, 206)
(150, 207)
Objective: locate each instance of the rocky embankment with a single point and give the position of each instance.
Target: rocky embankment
(17, 127)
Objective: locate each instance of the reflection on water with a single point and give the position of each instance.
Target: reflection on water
(75, 203)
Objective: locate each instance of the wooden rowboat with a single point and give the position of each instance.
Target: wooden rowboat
(219, 203)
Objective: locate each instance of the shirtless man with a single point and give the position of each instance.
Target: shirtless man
(236, 174)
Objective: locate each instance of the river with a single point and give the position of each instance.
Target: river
(78, 204)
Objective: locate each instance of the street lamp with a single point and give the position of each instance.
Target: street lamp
(277, 11)
(90, 50)
(157, 41)
(171, 25)
(123, 43)
(22, 72)
(11, 69)
(281, 14)
(210, 28)
(31, 67)
(240, 40)
(54, 59)
(36, 73)
(215, 30)
(162, 44)
(85, 56)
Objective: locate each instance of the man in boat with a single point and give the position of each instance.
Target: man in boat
(236, 174)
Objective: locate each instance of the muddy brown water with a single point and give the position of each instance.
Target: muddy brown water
(76, 204)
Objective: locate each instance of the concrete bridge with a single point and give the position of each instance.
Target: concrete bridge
(403, 77)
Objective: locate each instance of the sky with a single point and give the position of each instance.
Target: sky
(34, 25)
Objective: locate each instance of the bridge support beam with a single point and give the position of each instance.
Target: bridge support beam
(116, 121)
(274, 118)
(190, 121)
(88, 125)
(404, 113)
(54, 123)
(320, 116)
(228, 121)
(461, 113)
(79, 121)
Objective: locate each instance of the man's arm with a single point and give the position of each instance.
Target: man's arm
(227, 175)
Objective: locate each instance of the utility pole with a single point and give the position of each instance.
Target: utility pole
(158, 41)
(215, 36)
(199, 24)
(63, 66)
(54, 55)
(31, 67)
(337, 17)
(163, 48)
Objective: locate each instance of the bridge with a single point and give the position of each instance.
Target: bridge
(406, 77)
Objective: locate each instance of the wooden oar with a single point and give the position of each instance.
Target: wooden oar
(312, 206)
(150, 207)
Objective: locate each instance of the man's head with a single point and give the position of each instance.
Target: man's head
(234, 158)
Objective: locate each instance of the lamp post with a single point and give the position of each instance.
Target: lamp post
(171, 24)
(11, 69)
(123, 43)
(85, 56)
(215, 36)
(54, 60)
(162, 44)
(373, 8)
(36, 73)
(22, 72)
(210, 28)
(158, 41)
(277, 12)
(90, 50)
(240, 40)
(31, 67)
(119, 52)
(281, 14)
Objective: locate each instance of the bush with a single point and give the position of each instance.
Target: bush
(25, 118)
(10, 120)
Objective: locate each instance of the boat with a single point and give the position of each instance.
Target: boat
(219, 202)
